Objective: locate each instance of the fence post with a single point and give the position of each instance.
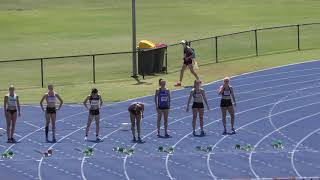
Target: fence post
(94, 68)
(298, 31)
(41, 64)
(256, 40)
(216, 42)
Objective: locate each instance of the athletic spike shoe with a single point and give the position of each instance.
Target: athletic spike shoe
(233, 131)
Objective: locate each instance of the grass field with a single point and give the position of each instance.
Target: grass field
(118, 91)
(36, 28)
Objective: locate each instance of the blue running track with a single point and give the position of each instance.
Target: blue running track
(281, 103)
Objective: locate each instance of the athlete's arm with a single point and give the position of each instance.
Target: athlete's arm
(220, 90)
(41, 101)
(142, 110)
(101, 101)
(205, 98)
(169, 96)
(5, 101)
(156, 99)
(18, 106)
(189, 101)
(233, 97)
(61, 101)
(85, 102)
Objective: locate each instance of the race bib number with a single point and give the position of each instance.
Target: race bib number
(226, 93)
(94, 103)
(164, 99)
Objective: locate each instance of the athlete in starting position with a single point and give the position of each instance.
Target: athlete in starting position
(136, 110)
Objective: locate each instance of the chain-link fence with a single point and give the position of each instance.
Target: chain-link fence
(118, 66)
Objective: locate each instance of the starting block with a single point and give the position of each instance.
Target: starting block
(237, 146)
(204, 149)
(86, 152)
(246, 147)
(8, 155)
(169, 150)
(277, 144)
(127, 151)
(47, 153)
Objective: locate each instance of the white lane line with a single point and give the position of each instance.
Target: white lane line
(167, 158)
(14, 133)
(83, 159)
(262, 82)
(280, 101)
(279, 73)
(66, 136)
(266, 136)
(125, 159)
(190, 116)
(218, 142)
(295, 150)
(209, 154)
(31, 124)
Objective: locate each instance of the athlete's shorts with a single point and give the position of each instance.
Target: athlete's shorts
(51, 110)
(163, 108)
(94, 112)
(134, 112)
(187, 62)
(11, 111)
(225, 103)
(196, 105)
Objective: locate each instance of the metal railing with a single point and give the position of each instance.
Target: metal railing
(92, 68)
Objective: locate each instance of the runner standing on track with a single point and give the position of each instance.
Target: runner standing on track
(136, 110)
(187, 61)
(11, 105)
(198, 95)
(96, 102)
(50, 113)
(162, 102)
(227, 96)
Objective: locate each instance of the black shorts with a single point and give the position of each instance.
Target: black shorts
(94, 112)
(11, 111)
(135, 112)
(51, 110)
(196, 105)
(163, 108)
(187, 62)
(225, 103)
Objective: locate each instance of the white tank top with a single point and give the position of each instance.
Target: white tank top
(51, 99)
(12, 100)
